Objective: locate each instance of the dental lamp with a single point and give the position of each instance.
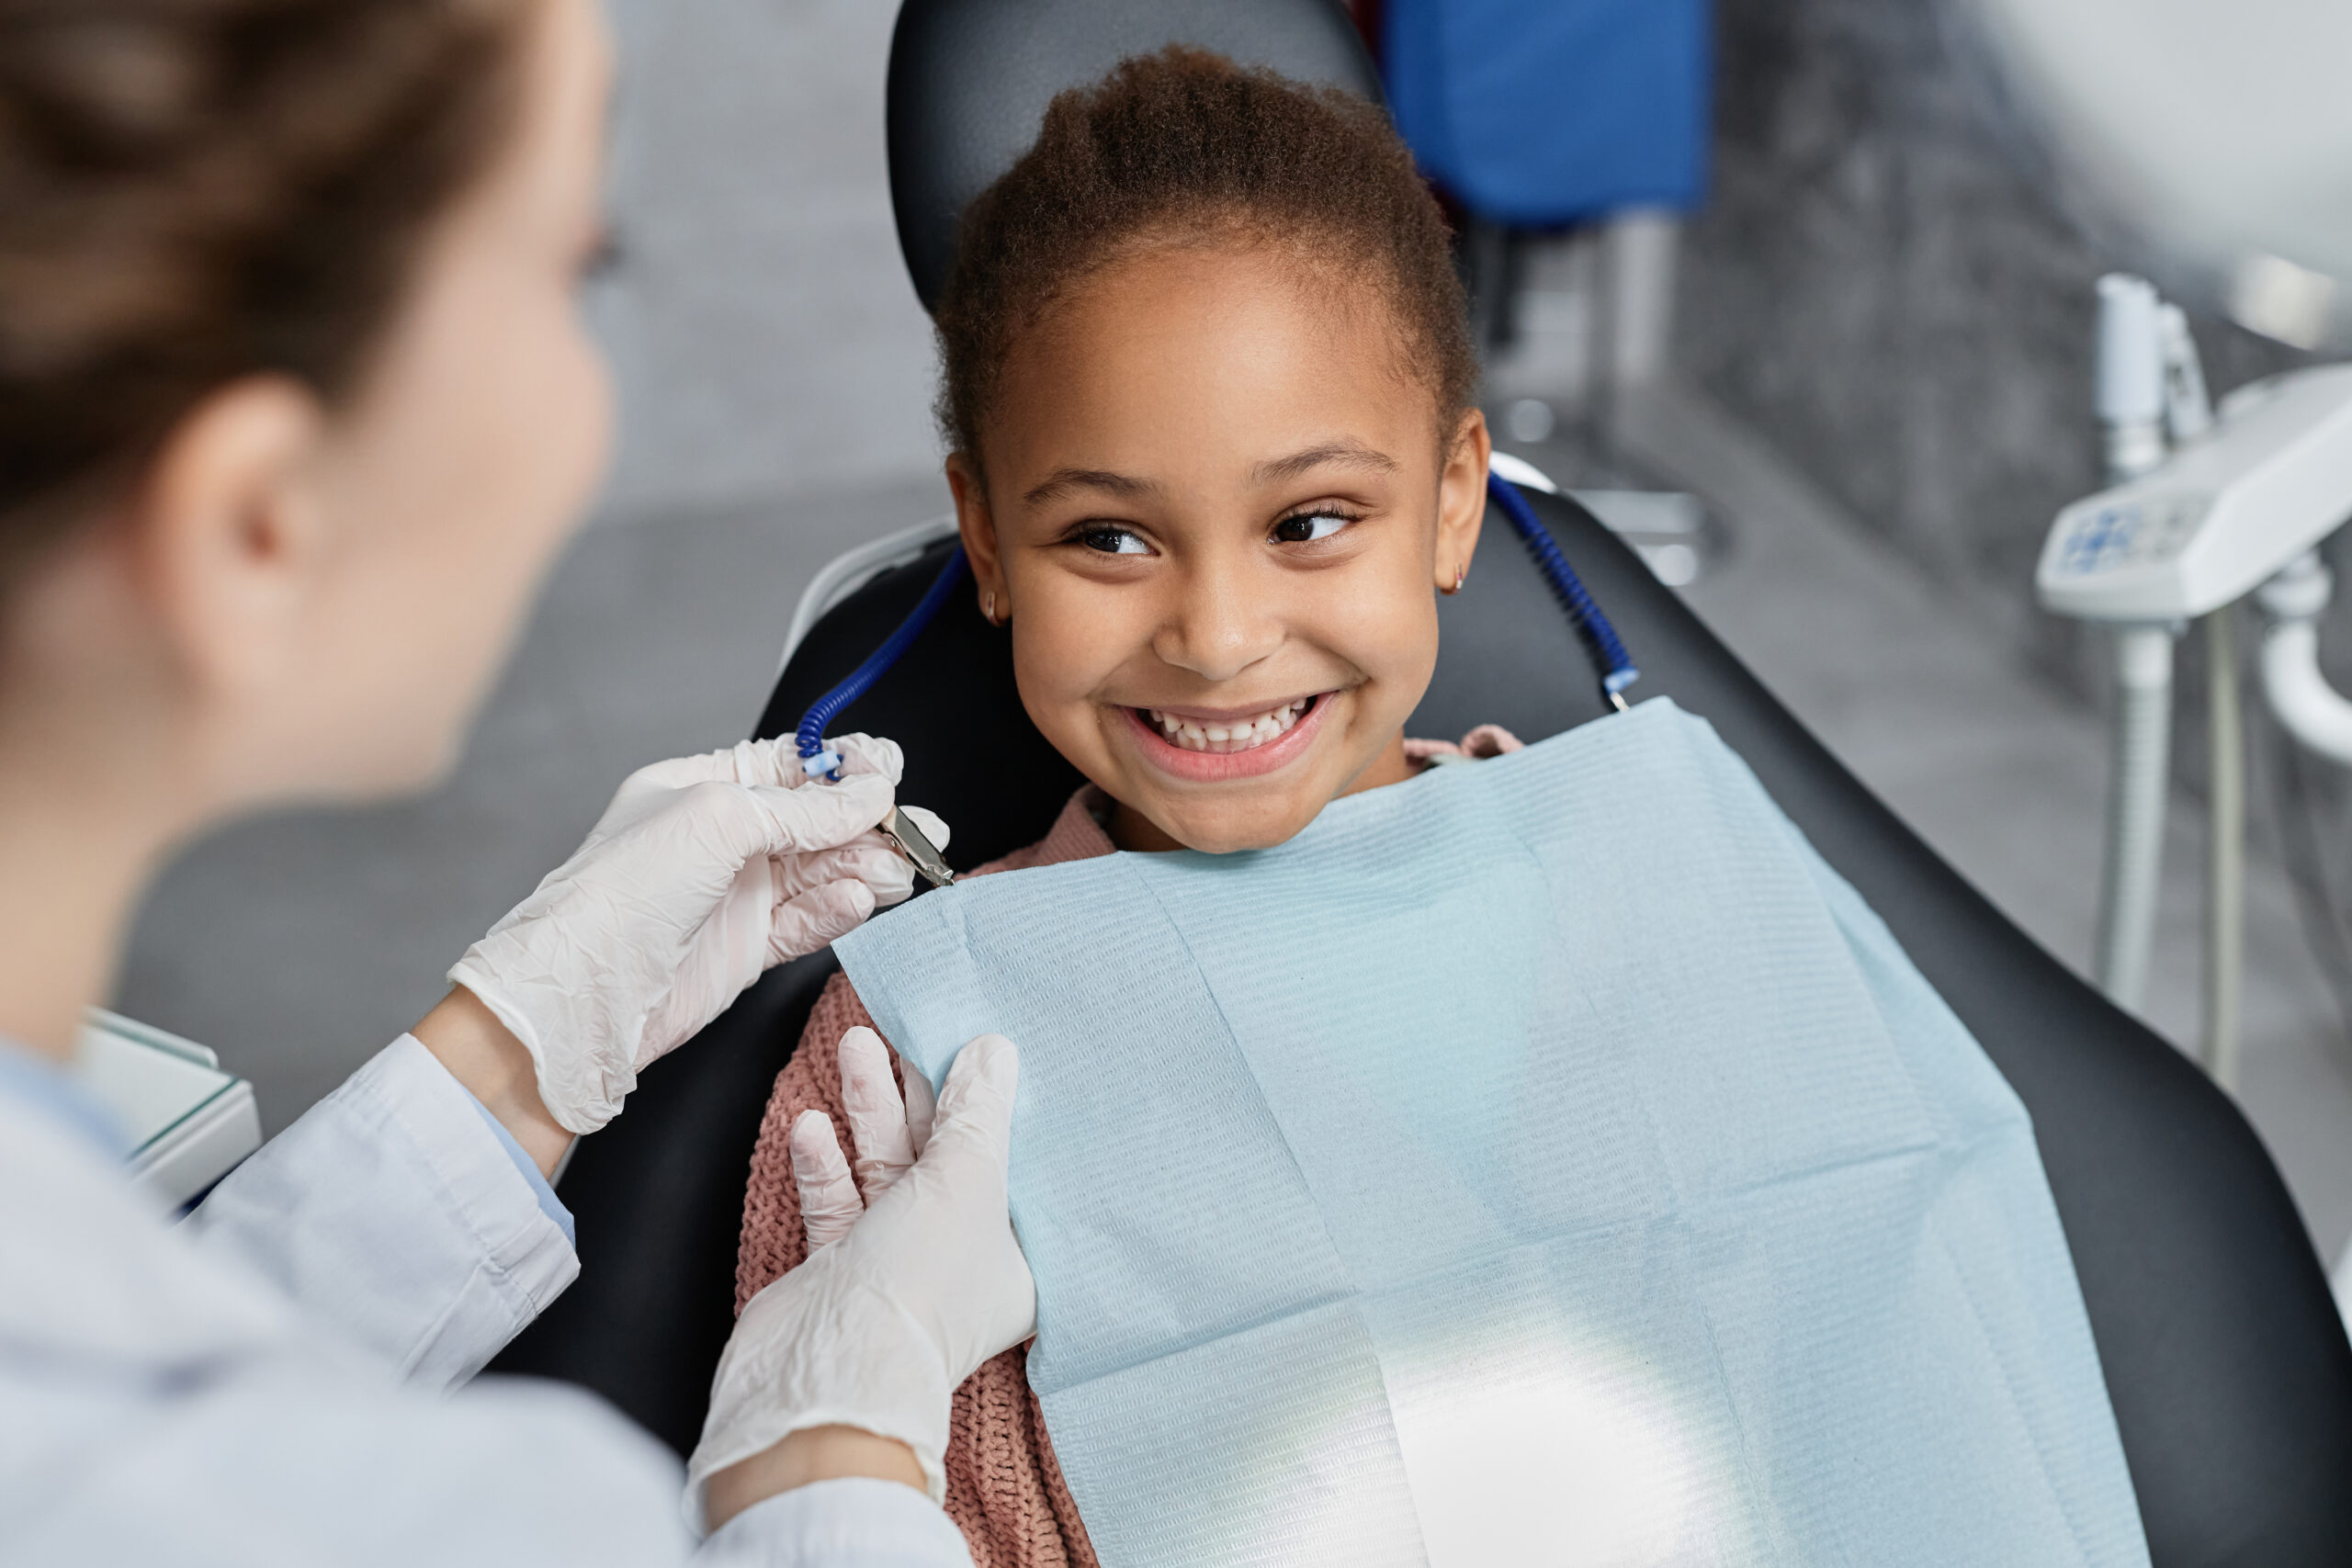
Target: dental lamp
(2207, 141)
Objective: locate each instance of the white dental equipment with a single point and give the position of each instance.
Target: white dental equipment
(2242, 499)
(187, 1123)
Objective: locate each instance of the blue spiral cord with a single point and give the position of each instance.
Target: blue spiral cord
(1617, 665)
(815, 760)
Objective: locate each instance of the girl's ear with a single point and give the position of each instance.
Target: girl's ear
(978, 530)
(1462, 500)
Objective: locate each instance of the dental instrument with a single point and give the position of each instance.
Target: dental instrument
(911, 841)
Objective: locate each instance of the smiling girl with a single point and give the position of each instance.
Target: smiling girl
(1207, 383)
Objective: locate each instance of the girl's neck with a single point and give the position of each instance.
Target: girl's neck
(1131, 830)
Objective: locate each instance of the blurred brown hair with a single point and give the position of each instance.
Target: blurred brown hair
(196, 190)
(1184, 146)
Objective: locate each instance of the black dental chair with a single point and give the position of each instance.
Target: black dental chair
(2227, 1364)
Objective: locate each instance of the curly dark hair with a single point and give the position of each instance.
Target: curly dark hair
(1186, 147)
(196, 190)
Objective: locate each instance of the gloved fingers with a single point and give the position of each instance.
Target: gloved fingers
(644, 792)
(778, 761)
(817, 918)
(975, 1106)
(878, 1118)
(727, 766)
(861, 754)
(892, 879)
(963, 1169)
(821, 816)
(829, 1201)
(869, 858)
(713, 828)
(921, 1106)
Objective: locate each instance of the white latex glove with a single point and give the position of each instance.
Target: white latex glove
(887, 1133)
(877, 1328)
(703, 871)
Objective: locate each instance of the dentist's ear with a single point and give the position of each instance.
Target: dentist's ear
(978, 529)
(228, 535)
(1461, 501)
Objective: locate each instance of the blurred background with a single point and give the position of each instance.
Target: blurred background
(1821, 341)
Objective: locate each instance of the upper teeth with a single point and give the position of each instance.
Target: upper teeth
(1237, 735)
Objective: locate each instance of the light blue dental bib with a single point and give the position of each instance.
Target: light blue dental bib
(1546, 1160)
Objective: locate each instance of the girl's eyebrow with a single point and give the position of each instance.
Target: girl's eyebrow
(1348, 453)
(1061, 481)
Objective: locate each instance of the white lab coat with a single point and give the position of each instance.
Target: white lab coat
(271, 1380)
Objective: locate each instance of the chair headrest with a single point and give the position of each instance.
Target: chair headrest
(971, 79)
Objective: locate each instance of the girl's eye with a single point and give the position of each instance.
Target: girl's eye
(1112, 541)
(1305, 527)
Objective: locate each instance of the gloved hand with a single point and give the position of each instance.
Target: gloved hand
(887, 1133)
(702, 872)
(877, 1329)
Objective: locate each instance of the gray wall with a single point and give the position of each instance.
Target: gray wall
(769, 342)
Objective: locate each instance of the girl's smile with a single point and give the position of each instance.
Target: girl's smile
(1210, 745)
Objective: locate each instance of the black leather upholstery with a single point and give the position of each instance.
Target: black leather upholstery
(2228, 1368)
(971, 79)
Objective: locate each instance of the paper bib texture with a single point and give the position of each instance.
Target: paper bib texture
(1543, 1160)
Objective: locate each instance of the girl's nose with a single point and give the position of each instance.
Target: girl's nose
(1220, 623)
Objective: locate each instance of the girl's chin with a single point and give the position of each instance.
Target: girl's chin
(1227, 833)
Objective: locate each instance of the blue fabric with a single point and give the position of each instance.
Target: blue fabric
(42, 1083)
(1539, 112)
(1547, 1159)
(541, 1189)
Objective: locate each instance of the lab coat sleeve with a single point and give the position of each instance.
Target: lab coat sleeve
(398, 1221)
(840, 1524)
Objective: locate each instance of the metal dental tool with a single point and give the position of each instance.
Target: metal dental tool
(900, 830)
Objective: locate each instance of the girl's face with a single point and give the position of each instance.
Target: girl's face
(1216, 510)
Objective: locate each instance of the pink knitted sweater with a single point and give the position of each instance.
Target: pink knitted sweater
(1004, 1489)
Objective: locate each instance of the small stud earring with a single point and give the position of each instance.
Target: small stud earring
(1459, 573)
(987, 605)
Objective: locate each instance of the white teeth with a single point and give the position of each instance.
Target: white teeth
(1244, 736)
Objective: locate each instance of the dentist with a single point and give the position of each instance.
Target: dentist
(296, 407)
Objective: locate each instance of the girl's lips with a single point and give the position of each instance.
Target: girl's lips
(1216, 767)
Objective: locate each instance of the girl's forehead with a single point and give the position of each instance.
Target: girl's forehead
(1205, 273)
(1230, 324)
